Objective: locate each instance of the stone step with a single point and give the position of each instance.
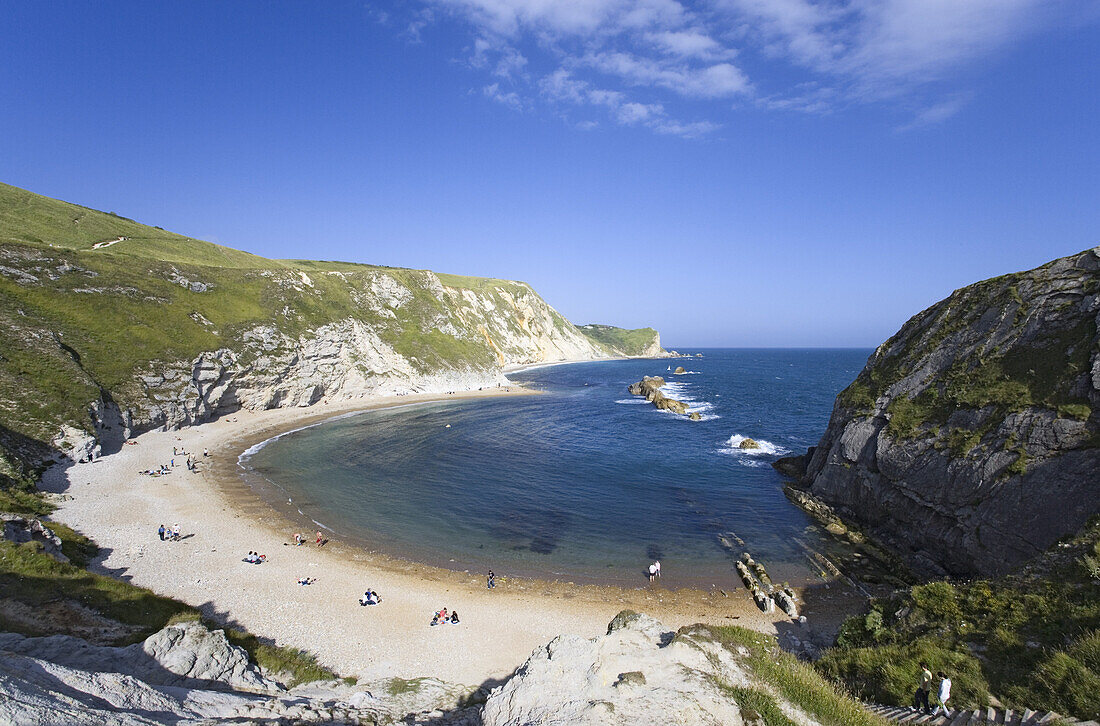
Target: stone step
(1026, 717)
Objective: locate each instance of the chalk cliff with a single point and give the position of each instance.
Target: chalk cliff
(113, 327)
(970, 442)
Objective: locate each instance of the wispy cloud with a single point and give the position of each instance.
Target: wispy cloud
(651, 62)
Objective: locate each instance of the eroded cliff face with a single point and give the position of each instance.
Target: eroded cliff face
(969, 442)
(413, 336)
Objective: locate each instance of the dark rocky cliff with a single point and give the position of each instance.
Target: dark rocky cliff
(969, 443)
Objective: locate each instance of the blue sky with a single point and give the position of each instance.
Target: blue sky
(732, 172)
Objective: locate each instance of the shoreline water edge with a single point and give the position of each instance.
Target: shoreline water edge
(223, 518)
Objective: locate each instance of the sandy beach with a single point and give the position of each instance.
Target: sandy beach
(111, 502)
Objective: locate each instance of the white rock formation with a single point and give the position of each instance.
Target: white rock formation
(639, 673)
(186, 674)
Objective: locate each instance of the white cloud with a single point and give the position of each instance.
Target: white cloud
(645, 61)
(715, 81)
(936, 113)
(510, 99)
(693, 43)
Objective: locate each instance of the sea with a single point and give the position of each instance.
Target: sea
(585, 483)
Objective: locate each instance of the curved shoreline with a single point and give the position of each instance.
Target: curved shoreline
(120, 509)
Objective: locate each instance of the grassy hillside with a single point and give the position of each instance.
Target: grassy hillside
(1032, 640)
(621, 340)
(90, 302)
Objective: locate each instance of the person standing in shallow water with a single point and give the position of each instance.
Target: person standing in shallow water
(920, 698)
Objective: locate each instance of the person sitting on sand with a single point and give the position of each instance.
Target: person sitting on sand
(435, 620)
(320, 538)
(299, 539)
(307, 580)
(370, 597)
(454, 618)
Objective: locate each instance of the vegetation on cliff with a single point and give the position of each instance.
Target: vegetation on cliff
(101, 313)
(626, 342)
(969, 443)
(1032, 640)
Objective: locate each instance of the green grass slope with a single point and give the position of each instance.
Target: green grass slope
(621, 340)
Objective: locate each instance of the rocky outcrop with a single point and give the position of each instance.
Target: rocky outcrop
(19, 528)
(188, 673)
(680, 370)
(650, 387)
(749, 444)
(969, 443)
(638, 673)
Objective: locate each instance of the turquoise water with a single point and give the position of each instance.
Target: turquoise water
(584, 483)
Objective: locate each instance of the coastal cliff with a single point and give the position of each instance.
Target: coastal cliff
(114, 328)
(969, 443)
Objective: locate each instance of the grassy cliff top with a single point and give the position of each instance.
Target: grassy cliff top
(628, 342)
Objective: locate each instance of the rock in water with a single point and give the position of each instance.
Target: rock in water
(967, 445)
(679, 371)
(694, 416)
(748, 444)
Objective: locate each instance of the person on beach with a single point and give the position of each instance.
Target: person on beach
(299, 540)
(320, 538)
(160, 531)
(454, 618)
(657, 566)
(491, 580)
(652, 572)
(205, 452)
(944, 694)
(307, 580)
(920, 698)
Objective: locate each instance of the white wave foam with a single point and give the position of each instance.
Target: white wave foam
(767, 448)
(632, 400)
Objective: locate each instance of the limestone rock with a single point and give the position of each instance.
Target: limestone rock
(679, 371)
(18, 528)
(748, 444)
(967, 443)
(694, 416)
(628, 676)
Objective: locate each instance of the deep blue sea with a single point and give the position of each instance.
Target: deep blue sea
(584, 483)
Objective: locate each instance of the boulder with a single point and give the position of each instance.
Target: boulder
(646, 386)
(639, 672)
(671, 404)
(748, 444)
(694, 416)
(18, 528)
(679, 371)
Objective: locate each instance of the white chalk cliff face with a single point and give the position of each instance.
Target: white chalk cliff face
(424, 337)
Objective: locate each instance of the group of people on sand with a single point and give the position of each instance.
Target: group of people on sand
(299, 539)
(255, 558)
(924, 688)
(172, 533)
(370, 597)
(442, 618)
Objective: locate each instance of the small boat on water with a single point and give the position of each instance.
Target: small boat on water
(670, 368)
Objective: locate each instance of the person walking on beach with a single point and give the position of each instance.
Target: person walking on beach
(160, 531)
(491, 580)
(920, 698)
(944, 694)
